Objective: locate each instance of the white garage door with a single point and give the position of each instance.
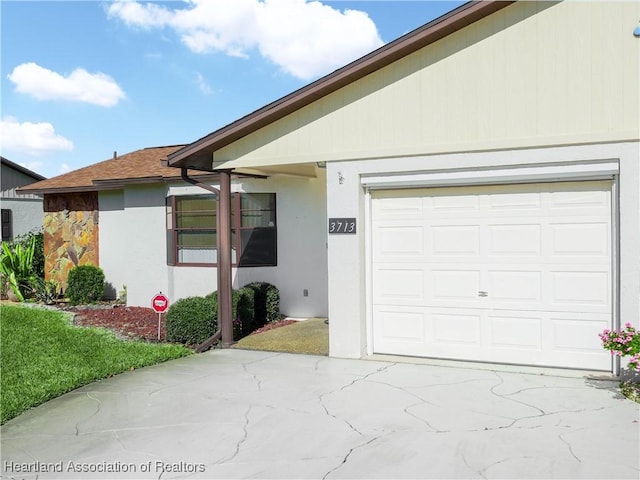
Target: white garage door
(513, 274)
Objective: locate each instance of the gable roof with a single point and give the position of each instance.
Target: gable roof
(21, 169)
(199, 154)
(140, 166)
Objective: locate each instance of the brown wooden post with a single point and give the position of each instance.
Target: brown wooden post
(224, 260)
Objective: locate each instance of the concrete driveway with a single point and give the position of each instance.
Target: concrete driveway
(249, 414)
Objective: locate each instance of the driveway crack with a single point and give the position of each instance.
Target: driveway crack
(98, 405)
(566, 442)
(346, 457)
(245, 434)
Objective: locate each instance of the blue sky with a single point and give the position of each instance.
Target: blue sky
(82, 79)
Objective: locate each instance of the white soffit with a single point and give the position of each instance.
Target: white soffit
(524, 174)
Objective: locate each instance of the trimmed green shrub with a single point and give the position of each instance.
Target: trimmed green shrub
(192, 320)
(85, 284)
(266, 302)
(242, 312)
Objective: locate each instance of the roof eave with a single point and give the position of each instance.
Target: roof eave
(199, 154)
(58, 190)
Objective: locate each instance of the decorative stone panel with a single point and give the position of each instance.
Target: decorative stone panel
(70, 233)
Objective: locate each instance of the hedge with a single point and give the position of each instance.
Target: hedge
(242, 311)
(192, 320)
(266, 302)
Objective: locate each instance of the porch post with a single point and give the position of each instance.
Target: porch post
(224, 259)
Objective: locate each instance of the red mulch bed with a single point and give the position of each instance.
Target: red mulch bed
(139, 323)
(128, 322)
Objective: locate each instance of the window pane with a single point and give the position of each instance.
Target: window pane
(197, 247)
(196, 212)
(258, 210)
(257, 201)
(258, 247)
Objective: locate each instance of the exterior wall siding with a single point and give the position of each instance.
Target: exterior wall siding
(533, 74)
(11, 178)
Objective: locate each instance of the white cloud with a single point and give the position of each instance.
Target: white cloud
(64, 168)
(305, 39)
(79, 85)
(31, 138)
(203, 85)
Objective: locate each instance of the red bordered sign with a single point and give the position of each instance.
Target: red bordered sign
(160, 303)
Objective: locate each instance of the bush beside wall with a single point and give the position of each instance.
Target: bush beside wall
(85, 284)
(266, 301)
(192, 320)
(242, 311)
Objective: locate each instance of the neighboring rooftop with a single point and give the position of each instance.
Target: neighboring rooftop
(21, 169)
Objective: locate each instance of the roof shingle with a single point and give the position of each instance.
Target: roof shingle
(140, 166)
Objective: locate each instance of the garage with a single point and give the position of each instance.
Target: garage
(518, 274)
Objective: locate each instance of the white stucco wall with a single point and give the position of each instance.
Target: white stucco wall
(133, 244)
(347, 260)
(132, 241)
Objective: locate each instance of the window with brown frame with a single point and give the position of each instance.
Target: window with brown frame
(191, 230)
(7, 225)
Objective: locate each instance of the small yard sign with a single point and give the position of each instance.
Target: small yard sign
(160, 304)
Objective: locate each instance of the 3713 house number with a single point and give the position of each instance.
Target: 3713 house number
(342, 225)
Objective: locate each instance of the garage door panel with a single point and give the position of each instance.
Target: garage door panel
(515, 331)
(395, 241)
(513, 239)
(575, 334)
(400, 328)
(581, 289)
(515, 286)
(510, 273)
(454, 201)
(395, 207)
(399, 285)
(455, 284)
(455, 240)
(581, 197)
(515, 201)
(580, 239)
(455, 328)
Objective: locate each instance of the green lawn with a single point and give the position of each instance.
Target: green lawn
(43, 356)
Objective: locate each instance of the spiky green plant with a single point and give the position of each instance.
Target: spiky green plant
(16, 264)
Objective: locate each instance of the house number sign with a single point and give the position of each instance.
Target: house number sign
(342, 225)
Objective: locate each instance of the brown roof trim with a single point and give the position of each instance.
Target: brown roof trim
(57, 190)
(200, 152)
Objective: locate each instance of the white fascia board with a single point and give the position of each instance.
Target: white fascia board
(525, 174)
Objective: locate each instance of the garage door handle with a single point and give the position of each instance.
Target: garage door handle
(483, 294)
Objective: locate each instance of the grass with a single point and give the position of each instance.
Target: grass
(308, 336)
(43, 356)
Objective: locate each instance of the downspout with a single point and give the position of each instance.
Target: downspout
(223, 246)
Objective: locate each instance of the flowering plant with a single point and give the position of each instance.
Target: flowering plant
(622, 343)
